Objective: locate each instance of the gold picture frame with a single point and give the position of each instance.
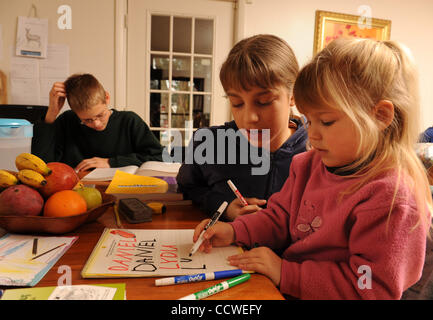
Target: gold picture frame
(332, 25)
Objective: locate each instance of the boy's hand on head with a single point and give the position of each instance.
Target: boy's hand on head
(220, 234)
(262, 260)
(91, 163)
(57, 100)
(236, 208)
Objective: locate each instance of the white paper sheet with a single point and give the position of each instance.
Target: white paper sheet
(82, 292)
(32, 79)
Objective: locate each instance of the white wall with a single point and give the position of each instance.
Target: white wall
(91, 40)
(293, 20)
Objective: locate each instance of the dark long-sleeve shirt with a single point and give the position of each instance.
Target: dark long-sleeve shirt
(127, 140)
(206, 184)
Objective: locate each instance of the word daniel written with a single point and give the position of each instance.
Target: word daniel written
(143, 261)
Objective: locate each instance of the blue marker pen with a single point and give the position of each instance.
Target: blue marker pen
(198, 277)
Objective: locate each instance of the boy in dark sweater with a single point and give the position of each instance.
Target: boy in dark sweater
(91, 135)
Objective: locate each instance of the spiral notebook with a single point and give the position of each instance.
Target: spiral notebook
(123, 253)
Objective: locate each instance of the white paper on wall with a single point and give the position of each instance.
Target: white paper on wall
(32, 79)
(24, 77)
(32, 37)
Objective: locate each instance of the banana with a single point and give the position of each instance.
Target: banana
(31, 178)
(7, 179)
(32, 162)
(15, 173)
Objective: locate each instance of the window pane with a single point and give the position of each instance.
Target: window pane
(182, 29)
(160, 33)
(181, 73)
(203, 74)
(203, 39)
(179, 110)
(159, 65)
(201, 110)
(159, 109)
(167, 136)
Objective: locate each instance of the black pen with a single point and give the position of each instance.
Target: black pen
(214, 220)
(35, 246)
(48, 251)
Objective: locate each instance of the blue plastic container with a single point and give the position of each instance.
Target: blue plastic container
(15, 138)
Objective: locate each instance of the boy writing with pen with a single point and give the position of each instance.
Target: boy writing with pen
(258, 77)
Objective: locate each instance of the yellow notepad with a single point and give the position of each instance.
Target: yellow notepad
(130, 183)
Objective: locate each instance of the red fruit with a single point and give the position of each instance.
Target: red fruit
(20, 200)
(63, 177)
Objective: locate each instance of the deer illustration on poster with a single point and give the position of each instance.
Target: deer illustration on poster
(32, 37)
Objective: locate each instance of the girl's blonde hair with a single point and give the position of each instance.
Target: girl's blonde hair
(353, 75)
(263, 60)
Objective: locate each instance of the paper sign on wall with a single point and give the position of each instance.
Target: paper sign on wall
(32, 37)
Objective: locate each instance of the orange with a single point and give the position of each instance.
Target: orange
(64, 203)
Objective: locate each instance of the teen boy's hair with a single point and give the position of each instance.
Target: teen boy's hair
(84, 91)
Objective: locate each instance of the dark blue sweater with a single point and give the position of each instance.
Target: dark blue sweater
(206, 184)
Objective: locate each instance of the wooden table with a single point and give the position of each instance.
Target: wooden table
(258, 287)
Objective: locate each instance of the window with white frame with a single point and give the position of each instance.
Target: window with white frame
(180, 79)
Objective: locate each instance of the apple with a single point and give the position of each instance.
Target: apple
(21, 200)
(62, 177)
(92, 196)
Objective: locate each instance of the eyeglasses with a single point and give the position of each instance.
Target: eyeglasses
(99, 117)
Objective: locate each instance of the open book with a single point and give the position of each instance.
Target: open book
(123, 253)
(148, 168)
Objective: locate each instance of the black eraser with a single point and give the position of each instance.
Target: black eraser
(134, 210)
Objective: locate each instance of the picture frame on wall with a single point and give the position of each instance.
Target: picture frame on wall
(333, 25)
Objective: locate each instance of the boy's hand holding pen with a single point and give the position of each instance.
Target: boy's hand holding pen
(242, 205)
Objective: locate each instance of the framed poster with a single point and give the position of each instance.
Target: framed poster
(332, 25)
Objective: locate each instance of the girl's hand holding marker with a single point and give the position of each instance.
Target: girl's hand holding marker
(209, 223)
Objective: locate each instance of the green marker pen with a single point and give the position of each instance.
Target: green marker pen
(217, 288)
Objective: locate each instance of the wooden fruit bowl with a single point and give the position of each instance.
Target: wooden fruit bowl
(54, 225)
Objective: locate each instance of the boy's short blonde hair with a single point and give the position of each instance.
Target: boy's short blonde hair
(84, 91)
(263, 60)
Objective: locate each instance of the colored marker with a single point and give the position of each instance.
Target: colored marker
(198, 277)
(217, 288)
(214, 220)
(237, 193)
